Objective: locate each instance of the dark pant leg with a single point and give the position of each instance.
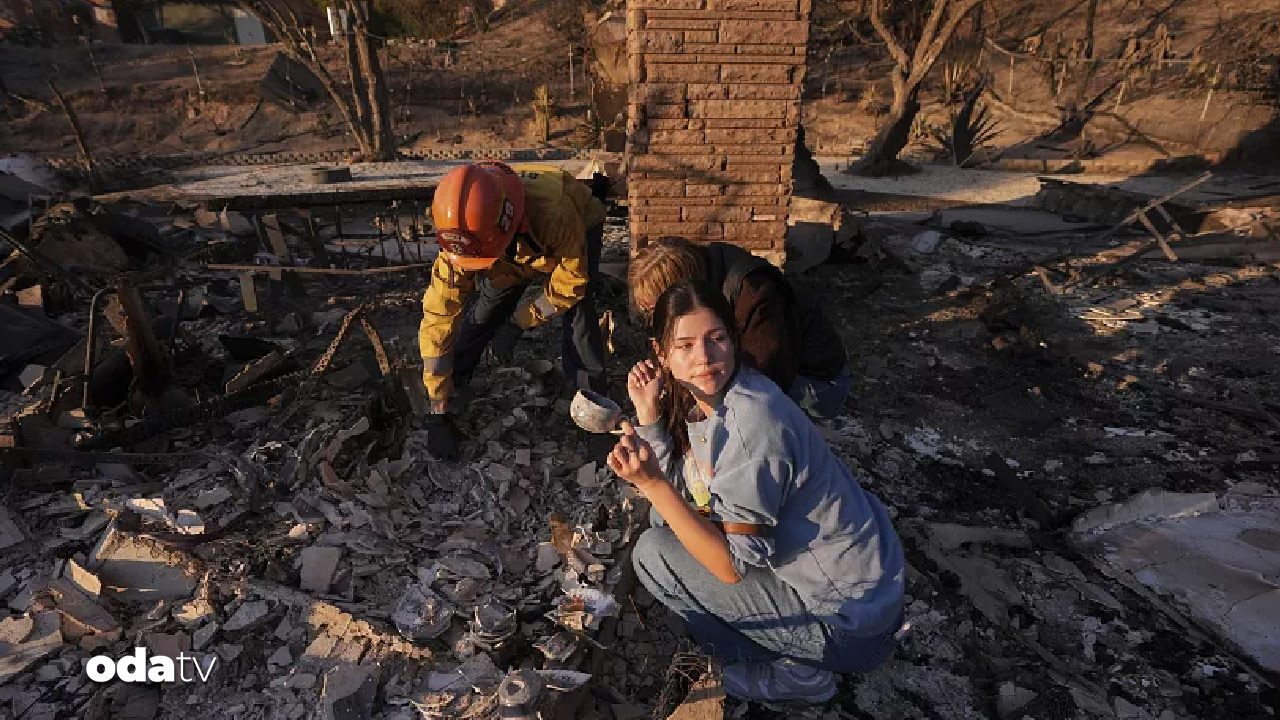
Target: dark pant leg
(487, 308)
(582, 344)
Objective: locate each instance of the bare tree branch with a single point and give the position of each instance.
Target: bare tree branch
(877, 21)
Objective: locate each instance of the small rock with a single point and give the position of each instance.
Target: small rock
(10, 533)
(301, 681)
(281, 657)
(1012, 698)
(247, 419)
(15, 630)
(168, 644)
(289, 325)
(228, 652)
(1126, 709)
(202, 636)
(194, 612)
(548, 558)
(49, 672)
(131, 701)
(349, 691)
(7, 582)
(30, 374)
(189, 522)
(926, 242)
(209, 498)
(86, 581)
(587, 476)
(248, 615)
(318, 565)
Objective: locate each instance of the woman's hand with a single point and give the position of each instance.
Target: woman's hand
(644, 386)
(634, 461)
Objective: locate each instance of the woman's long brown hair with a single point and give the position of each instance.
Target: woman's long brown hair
(676, 403)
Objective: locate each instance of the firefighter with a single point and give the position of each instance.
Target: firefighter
(502, 228)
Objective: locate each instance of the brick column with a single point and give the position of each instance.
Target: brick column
(712, 115)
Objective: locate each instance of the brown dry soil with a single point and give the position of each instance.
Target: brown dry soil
(477, 93)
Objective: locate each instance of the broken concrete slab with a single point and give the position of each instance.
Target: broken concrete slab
(200, 638)
(15, 630)
(349, 692)
(247, 615)
(1203, 552)
(132, 568)
(81, 615)
(318, 566)
(44, 638)
(214, 496)
(926, 243)
(131, 701)
(950, 536)
(1012, 698)
(1151, 504)
(168, 644)
(10, 533)
(85, 581)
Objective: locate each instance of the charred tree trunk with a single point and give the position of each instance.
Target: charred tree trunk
(365, 105)
(72, 120)
(908, 74)
(881, 158)
(359, 88)
(381, 139)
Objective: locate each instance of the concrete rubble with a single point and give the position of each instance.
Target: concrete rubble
(280, 514)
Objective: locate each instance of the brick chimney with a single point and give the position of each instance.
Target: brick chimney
(712, 116)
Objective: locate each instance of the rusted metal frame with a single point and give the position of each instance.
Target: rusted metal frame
(150, 362)
(90, 344)
(379, 350)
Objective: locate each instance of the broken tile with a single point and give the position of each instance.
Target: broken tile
(318, 566)
(10, 534)
(247, 615)
(86, 581)
(212, 497)
(43, 639)
(201, 637)
(81, 614)
(281, 656)
(132, 568)
(349, 691)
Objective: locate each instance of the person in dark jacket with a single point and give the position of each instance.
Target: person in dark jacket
(784, 333)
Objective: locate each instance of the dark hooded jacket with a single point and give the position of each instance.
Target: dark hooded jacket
(782, 329)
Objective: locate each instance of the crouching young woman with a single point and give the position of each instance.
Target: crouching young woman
(781, 565)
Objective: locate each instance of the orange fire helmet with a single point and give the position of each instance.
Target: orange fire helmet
(477, 209)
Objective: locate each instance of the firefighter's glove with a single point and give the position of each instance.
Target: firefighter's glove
(504, 342)
(442, 436)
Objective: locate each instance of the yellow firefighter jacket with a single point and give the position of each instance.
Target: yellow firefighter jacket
(551, 244)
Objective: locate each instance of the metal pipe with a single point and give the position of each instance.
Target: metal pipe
(88, 344)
